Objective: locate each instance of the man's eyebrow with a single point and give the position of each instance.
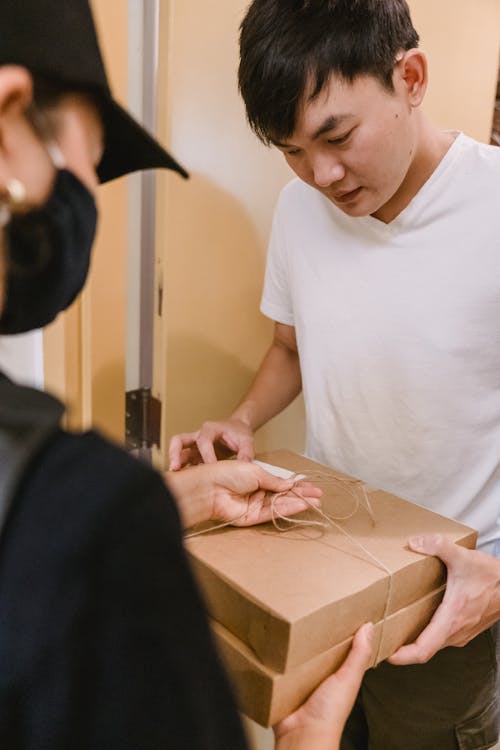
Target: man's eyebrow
(278, 144)
(332, 122)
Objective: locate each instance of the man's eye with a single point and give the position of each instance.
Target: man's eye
(293, 152)
(340, 139)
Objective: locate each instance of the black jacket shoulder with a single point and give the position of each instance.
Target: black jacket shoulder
(104, 642)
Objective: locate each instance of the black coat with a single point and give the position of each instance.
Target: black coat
(104, 643)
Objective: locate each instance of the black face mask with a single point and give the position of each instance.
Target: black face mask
(48, 256)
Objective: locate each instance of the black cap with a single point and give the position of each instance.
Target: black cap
(58, 39)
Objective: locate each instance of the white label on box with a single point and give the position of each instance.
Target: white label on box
(278, 471)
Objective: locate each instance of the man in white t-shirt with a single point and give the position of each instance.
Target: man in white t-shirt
(383, 279)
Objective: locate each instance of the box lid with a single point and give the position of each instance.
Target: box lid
(294, 594)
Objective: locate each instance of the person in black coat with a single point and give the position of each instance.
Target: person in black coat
(104, 642)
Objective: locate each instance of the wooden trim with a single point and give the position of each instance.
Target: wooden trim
(62, 364)
(85, 349)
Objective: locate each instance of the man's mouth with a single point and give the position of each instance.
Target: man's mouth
(347, 196)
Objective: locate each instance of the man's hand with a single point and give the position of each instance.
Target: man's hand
(202, 446)
(319, 722)
(470, 605)
(277, 382)
(242, 493)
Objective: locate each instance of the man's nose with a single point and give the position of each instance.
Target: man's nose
(327, 170)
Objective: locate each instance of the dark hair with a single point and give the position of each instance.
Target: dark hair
(288, 45)
(47, 94)
(48, 91)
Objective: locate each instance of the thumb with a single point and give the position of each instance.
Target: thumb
(359, 657)
(435, 544)
(343, 685)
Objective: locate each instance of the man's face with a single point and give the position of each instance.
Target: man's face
(354, 142)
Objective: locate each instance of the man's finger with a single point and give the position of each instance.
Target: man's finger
(246, 451)
(438, 545)
(189, 456)
(433, 638)
(206, 448)
(176, 447)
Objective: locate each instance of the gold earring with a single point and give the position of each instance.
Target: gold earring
(14, 195)
(16, 191)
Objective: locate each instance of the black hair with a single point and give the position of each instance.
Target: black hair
(47, 91)
(47, 94)
(287, 46)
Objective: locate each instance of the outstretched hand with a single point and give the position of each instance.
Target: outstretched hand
(243, 494)
(470, 605)
(318, 724)
(238, 493)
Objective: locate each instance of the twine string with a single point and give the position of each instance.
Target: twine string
(283, 523)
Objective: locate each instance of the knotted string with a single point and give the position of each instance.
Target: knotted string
(351, 486)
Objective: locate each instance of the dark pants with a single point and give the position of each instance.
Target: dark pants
(450, 703)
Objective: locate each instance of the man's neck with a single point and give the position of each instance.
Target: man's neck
(433, 146)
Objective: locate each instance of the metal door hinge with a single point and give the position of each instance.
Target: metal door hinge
(142, 419)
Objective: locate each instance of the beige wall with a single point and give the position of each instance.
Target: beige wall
(84, 349)
(105, 297)
(461, 38)
(213, 229)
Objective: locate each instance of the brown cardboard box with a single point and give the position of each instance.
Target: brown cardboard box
(290, 596)
(267, 697)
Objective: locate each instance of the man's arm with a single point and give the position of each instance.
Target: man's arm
(470, 605)
(276, 384)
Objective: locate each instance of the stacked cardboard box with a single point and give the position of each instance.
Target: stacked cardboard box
(286, 604)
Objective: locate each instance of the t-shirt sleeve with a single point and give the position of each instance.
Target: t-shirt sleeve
(276, 302)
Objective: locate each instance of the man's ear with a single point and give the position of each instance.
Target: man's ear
(16, 93)
(16, 88)
(412, 72)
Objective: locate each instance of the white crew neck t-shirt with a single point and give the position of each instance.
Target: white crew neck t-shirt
(398, 330)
